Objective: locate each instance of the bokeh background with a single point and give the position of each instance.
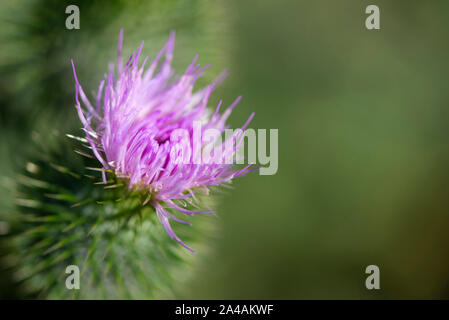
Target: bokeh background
(363, 135)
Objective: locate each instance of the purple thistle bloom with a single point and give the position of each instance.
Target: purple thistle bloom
(130, 131)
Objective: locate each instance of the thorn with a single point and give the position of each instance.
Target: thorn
(77, 138)
(118, 185)
(84, 154)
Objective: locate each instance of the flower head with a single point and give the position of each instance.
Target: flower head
(133, 129)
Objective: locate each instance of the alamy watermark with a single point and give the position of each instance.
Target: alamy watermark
(73, 20)
(372, 22)
(73, 280)
(207, 146)
(373, 280)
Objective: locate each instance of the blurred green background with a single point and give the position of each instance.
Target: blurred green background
(362, 118)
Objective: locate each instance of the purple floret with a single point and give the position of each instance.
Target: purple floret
(130, 131)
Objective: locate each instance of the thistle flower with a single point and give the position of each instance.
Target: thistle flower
(132, 126)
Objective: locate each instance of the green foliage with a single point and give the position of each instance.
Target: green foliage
(36, 47)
